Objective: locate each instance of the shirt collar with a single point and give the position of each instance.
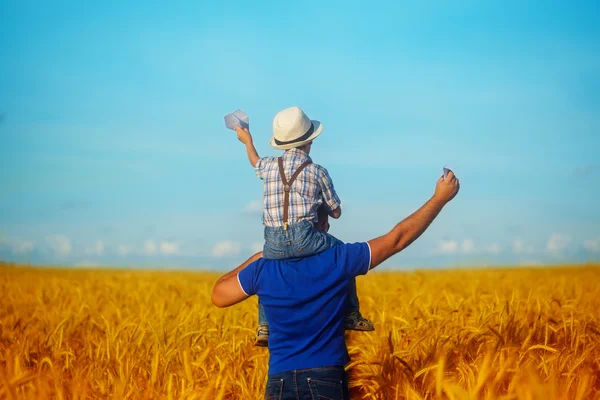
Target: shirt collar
(298, 153)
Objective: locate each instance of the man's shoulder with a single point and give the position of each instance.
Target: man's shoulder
(345, 247)
(265, 263)
(340, 251)
(346, 258)
(253, 269)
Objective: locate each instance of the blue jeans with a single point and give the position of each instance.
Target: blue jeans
(301, 240)
(298, 240)
(308, 384)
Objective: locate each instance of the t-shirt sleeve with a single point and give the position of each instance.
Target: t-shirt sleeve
(330, 197)
(261, 166)
(248, 278)
(355, 258)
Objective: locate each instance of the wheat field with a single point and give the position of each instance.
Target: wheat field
(462, 334)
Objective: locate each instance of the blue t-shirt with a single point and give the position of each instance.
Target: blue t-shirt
(304, 301)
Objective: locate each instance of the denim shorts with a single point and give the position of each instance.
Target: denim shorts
(298, 240)
(314, 384)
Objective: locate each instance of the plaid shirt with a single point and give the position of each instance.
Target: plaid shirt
(312, 187)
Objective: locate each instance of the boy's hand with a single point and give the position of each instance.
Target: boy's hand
(336, 213)
(243, 135)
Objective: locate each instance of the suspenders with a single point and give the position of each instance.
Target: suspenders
(286, 187)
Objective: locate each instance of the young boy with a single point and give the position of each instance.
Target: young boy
(294, 189)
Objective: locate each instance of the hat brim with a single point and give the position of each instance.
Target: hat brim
(318, 128)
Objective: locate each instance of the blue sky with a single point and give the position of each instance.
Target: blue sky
(113, 149)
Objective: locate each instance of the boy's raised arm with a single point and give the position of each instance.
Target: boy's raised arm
(245, 137)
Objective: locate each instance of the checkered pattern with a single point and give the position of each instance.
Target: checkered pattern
(311, 188)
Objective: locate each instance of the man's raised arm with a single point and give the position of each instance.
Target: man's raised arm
(413, 226)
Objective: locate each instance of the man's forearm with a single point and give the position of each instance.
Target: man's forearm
(252, 154)
(405, 232)
(409, 229)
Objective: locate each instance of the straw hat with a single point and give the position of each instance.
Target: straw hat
(292, 128)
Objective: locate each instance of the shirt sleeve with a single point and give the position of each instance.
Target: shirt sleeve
(261, 166)
(330, 197)
(355, 258)
(248, 278)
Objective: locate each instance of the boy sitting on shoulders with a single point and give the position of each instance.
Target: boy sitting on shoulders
(294, 189)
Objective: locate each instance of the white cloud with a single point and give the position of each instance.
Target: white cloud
(448, 247)
(557, 243)
(592, 245)
(256, 247)
(123, 249)
(22, 246)
(169, 248)
(60, 244)
(226, 249)
(254, 207)
(521, 248)
(97, 248)
(494, 249)
(467, 246)
(150, 247)
(16, 245)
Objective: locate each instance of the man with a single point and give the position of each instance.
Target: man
(304, 302)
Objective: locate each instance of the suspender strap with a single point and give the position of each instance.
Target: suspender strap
(286, 187)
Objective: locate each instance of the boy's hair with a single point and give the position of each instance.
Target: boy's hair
(302, 145)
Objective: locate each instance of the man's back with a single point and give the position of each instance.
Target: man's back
(304, 301)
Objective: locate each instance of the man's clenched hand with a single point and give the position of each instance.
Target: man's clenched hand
(446, 188)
